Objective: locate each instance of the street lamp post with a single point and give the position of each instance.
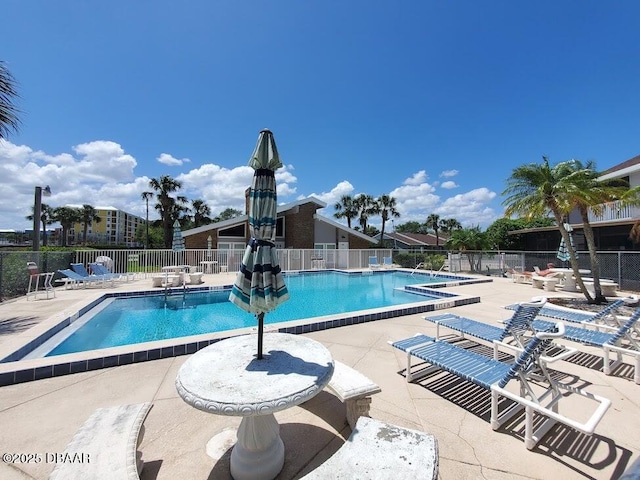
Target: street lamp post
(395, 244)
(37, 207)
(146, 196)
(146, 245)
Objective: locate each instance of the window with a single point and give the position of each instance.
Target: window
(235, 231)
(280, 227)
(324, 246)
(231, 246)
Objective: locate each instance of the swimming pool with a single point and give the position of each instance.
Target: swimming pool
(26, 362)
(131, 320)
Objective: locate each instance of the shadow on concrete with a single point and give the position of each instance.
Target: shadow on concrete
(305, 448)
(560, 443)
(17, 324)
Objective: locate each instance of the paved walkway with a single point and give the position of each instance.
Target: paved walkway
(42, 416)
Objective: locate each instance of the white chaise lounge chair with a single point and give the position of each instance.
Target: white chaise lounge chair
(536, 393)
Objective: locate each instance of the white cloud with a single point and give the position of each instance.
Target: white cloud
(332, 197)
(285, 180)
(417, 178)
(101, 173)
(170, 160)
(415, 194)
(101, 161)
(449, 173)
(470, 208)
(90, 175)
(14, 154)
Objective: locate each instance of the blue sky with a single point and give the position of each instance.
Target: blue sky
(431, 102)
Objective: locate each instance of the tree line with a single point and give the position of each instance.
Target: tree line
(363, 206)
(160, 232)
(67, 217)
(171, 207)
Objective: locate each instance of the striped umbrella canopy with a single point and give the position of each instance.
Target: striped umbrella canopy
(259, 286)
(563, 251)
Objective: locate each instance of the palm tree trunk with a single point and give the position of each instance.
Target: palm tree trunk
(572, 255)
(382, 234)
(593, 257)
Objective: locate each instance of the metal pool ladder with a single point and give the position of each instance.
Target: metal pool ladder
(421, 264)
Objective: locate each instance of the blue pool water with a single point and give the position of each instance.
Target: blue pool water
(129, 320)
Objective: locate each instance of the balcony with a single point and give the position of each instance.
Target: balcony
(615, 211)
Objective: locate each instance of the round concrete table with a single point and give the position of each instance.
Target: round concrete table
(225, 378)
(209, 266)
(569, 279)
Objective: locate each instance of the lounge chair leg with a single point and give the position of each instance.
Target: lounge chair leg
(636, 372)
(495, 398)
(529, 442)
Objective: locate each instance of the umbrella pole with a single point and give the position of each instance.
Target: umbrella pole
(260, 328)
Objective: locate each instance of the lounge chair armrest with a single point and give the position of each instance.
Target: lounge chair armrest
(587, 427)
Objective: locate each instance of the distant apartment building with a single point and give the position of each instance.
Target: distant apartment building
(115, 227)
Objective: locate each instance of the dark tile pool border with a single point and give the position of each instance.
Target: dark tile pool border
(145, 354)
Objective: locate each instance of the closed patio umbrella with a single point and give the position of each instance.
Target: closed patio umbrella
(177, 245)
(563, 251)
(259, 286)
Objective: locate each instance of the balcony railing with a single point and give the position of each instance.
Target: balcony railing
(614, 211)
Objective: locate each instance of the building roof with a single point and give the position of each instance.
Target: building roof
(622, 169)
(216, 225)
(415, 239)
(113, 209)
(343, 227)
(285, 207)
(288, 206)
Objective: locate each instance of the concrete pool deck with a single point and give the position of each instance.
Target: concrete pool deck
(42, 416)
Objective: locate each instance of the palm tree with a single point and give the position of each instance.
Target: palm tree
(201, 213)
(584, 192)
(346, 208)
(88, 215)
(470, 241)
(387, 207)
(178, 212)
(67, 216)
(146, 196)
(448, 225)
(534, 190)
(46, 214)
(166, 206)
(366, 207)
(433, 222)
(634, 234)
(8, 112)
